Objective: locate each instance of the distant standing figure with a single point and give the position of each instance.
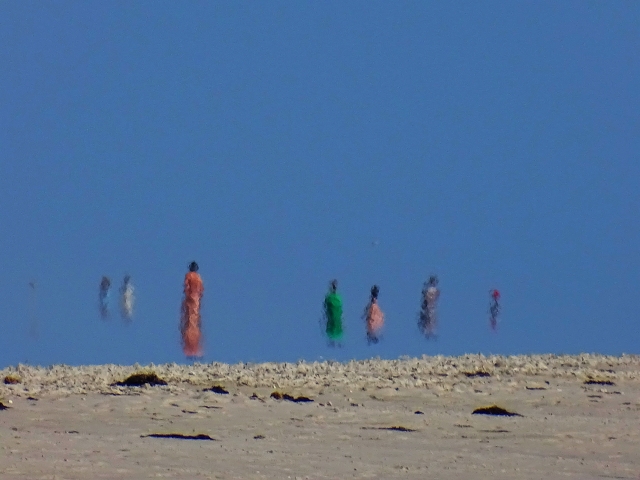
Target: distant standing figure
(190, 320)
(333, 314)
(126, 298)
(428, 310)
(103, 297)
(494, 309)
(374, 317)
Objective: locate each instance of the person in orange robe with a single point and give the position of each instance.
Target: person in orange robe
(374, 317)
(190, 320)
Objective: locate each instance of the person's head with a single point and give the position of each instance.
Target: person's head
(333, 285)
(433, 281)
(375, 290)
(127, 279)
(495, 294)
(193, 267)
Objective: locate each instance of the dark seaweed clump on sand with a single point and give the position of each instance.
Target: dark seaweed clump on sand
(217, 389)
(495, 410)
(477, 373)
(11, 380)
(290, 398)
(179, 436)
(593, 381)
(140, 379)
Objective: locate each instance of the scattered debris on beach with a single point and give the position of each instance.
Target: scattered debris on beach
(394, 428)
(598, 381)
(285, 396)
(477, 373)
(535, 387)
(179, 436)
(140, 379)
(495, 410)
(217, 389)
(436, 373)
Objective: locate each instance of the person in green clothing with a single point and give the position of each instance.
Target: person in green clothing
(333, 314)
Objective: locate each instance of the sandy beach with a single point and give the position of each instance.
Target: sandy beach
(577, 417)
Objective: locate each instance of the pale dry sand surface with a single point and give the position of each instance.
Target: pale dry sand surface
(384, 419)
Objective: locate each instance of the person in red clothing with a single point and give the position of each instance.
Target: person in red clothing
(190, 320)
(374, 317)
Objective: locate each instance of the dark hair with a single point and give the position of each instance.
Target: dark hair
(334, 285)
(375, 290)
(433, 280)
(193, 267)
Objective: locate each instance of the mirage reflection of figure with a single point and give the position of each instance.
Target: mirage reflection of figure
(103, 297)
(374, 317)
(428, 317)
(127, 299)
(190, 320)
(494, 309)
(32, 310)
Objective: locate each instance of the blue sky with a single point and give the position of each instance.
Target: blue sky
(495, 144)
